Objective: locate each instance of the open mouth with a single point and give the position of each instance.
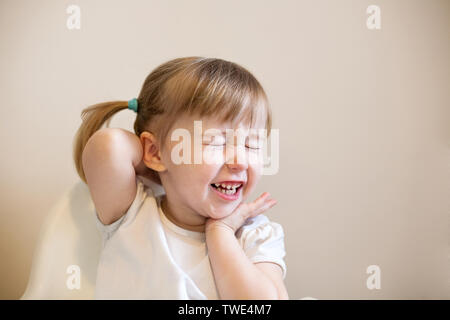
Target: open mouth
(228, 189)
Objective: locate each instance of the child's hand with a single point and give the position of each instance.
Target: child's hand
(244, 211)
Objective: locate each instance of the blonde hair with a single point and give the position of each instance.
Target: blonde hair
(183, 86)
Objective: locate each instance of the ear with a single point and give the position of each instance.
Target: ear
(152, 154)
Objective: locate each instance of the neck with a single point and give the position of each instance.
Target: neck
(182, 218)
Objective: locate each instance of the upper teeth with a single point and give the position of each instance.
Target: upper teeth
(229, 187)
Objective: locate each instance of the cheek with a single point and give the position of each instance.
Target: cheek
(254, 175)
(253, 182)
(257, 167)
(259, 171)
(201, 177)
(213, 155)
(256, 160)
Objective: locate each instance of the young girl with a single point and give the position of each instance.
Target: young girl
(196, 238)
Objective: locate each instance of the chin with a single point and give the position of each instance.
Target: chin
(219, 214)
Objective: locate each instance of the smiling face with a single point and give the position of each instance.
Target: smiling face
(202, 189)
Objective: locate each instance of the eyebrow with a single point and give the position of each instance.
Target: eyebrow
(211, 132)
(251, 135)
(225, 130)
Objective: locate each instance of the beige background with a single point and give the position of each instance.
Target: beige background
(363, 116)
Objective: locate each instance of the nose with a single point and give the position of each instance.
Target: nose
(236, 158)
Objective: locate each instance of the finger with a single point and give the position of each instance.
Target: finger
(269, 204)
(247, 210)
(254, 207)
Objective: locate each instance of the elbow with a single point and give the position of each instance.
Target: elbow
(271, 295)
(283, 295)
(268, 294)
(279, 293)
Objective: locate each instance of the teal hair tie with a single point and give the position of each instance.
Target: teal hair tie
(133, 104)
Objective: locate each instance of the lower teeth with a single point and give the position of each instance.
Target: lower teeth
(229, 192)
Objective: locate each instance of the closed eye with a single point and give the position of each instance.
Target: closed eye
(215, 141)
(254, 143)
(220, 141)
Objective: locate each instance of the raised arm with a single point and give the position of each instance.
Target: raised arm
(109, 161)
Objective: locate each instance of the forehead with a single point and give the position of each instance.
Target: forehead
(188, 122)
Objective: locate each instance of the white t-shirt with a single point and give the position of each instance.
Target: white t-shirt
(146, 256)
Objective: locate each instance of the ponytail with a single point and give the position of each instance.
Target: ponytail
(93, 119)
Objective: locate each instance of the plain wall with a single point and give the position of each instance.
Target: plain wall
(363, 116)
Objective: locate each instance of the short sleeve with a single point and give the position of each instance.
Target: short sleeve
(108, 230)
(263, 241)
